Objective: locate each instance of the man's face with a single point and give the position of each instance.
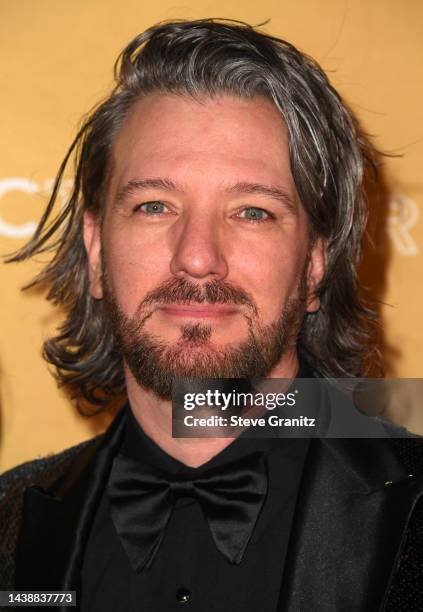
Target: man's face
(204, 255)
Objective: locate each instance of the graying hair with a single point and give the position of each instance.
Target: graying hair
(328, 155)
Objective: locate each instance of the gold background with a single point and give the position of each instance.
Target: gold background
(57, 59)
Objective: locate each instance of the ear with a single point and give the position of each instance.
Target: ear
(92, 241)
(315, 273)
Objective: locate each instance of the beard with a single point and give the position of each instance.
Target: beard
(155, 363)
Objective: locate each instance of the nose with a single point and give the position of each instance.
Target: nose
(198, 249)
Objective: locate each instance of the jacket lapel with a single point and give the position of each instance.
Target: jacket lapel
(348, 528)
(56, 521)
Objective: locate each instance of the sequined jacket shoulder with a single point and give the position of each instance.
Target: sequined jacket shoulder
(41, 472)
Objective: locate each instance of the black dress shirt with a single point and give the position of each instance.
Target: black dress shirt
(188, 571)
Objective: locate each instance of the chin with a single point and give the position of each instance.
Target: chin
(191, 352)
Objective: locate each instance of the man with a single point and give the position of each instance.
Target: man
(213, 231)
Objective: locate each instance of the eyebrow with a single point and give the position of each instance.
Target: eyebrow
(135, 185)
(277, 193)
(242, 188)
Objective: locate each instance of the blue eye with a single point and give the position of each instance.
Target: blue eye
(152, 208)
(255, 214)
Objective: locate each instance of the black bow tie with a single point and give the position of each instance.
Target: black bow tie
(142, 500)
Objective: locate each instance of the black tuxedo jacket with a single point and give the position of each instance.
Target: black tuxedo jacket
(349, 549)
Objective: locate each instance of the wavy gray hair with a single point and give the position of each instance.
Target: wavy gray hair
(328, 155)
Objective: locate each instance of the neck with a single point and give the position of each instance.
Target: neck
(154, 415)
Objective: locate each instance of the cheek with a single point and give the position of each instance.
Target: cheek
(271, 273)
(134, 268)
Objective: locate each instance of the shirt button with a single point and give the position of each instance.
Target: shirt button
(183, 596)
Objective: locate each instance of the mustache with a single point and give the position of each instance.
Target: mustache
(213, 292)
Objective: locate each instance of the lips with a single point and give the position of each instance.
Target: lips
(198, 310)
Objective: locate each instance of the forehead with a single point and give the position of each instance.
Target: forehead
(219, 140)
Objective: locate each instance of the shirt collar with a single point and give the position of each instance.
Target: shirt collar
(137, 445)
